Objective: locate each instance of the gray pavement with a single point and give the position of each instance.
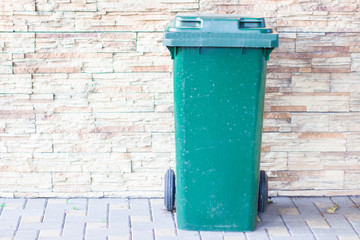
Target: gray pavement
(142, 219)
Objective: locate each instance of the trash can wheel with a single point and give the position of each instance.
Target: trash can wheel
(169, 190)
(263, 191)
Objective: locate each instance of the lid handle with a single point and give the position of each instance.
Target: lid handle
(251, 22)
(188, 23)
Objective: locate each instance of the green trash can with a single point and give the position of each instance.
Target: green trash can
(219, 85)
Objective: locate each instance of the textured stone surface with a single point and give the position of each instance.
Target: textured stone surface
(86, 96)
(130, 218)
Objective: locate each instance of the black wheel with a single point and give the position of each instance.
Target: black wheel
(169, 190)
(263, 192)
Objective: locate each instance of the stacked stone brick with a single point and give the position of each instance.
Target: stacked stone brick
(86, 102)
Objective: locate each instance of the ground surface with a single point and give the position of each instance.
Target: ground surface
(143, 219)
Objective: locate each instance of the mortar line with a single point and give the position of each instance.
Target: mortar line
(319, 212)
(352, 226)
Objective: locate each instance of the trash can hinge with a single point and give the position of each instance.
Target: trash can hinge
(172, 51)
(199, 50)
(267, 52)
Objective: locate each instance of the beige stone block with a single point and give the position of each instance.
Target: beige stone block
(342, 122)
(310, 82)
(313, 102)
(274, 161)
(239, 237)
(352, 179)
(337, 160)
(345, 237)
(353, 142)
(75, 213)
(82, 146)
(70, 179)
(140, 218)
(119, 206)
(288, 211)
(121, 102)
(31, 219)
(304, 161)
(23, 5)
(13, 205)
(162, 142)
(353, 217)
(354, 101)
(317, 224)
(288, 142)
(278, 232)
(95, 225)
(17, 42)
(118, 237)
(345, 82)
(310, 122)
(355, 62)
(49, 233)
(131, 142)
(305, 180)
(164, 232)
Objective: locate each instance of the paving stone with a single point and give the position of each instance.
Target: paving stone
(40, 226)
(322, 203)
(305, 206)
(333, 231)
(288, 211)
(111, 219)
(26, 234)
(345, 205)
(188, 235)
(354, 237)
(140, 219)
(31, 219)
(13, 203)
(118, 237)
(269, 224)
(50, 233)
(143, 234)
(9, 224)
(317, 224)
(7, 233)
(211, 235)
(337, 221)
(97, 209)
(139, 204)
(164, 232)
(49, 238)
(257, 235)
(278, 231)
(292, 238)
(234, 236)
(302, 217)
(73, 229)
(326, 237)
(54, 213)
(283, 202)
(298, 228)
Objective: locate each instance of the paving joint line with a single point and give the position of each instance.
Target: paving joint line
(352, 226)
(129, 219)
(174, 221)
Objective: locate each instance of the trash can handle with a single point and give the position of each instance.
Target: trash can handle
(188, 22)
(251, 22)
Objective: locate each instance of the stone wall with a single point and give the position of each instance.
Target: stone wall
(86, 104)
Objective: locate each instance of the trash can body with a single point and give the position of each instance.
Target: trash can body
(219, 102)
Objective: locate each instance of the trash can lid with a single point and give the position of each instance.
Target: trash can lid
(219, 31)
